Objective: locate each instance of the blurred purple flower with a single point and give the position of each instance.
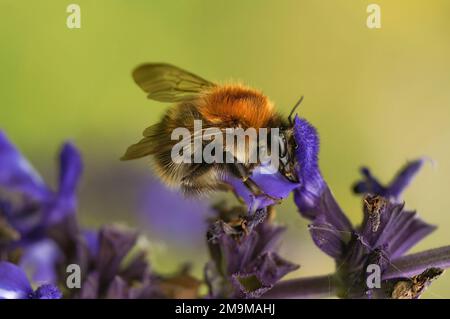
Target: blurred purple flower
(172, 216)
(15, 285)
(31, 208)
(36, 206)
(42, 224)
(112, 270)
(40, 259)
(100, 255)
(105, 277)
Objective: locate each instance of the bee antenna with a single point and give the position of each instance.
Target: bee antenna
(294, 108)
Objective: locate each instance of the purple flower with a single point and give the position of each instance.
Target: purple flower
(15, 285)
(38, 206)
(40, 259)
(243, 248)
(112, 267)
(172, 216)
(370, 185)
(312, 185)
(313, 197)
(387, 232)
(100, 255)
(271, 183)
(31, 208)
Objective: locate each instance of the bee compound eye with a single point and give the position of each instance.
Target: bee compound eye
(282, 150)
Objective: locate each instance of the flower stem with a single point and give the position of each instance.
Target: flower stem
(414, 264)
(310, 287)
(325, 286)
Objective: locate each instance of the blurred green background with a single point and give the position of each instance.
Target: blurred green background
(378, 97)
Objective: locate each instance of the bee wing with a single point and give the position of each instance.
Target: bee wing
(167, 83)
(146, 146)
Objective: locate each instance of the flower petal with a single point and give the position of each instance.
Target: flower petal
(40, 260)
(311, 182)
(404, 177)
(115, 243)
(71, 168)
(273, 184)
(118, 289)
(313, 198)
(330, 230)
(47, 291)
(370, 185)
(265, 271)
(13, 282)
(64, 202)
(17, 174)
(92, 241)
(174, 218)
(90, 287)
(328, 239)
(246, 258)
(397, 229)
(404, 241)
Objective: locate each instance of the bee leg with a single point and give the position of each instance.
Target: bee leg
(240, 171)
(257, 191)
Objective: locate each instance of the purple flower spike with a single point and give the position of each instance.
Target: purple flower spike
(244, 259)
(370, 185)
(15, 285)
(388, 225)
(330, 227)
(386, 234)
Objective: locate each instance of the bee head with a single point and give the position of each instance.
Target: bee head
(287, 148)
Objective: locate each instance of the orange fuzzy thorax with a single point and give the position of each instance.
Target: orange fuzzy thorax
(236, 105)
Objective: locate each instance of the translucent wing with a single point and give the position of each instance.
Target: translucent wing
(167, 83)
